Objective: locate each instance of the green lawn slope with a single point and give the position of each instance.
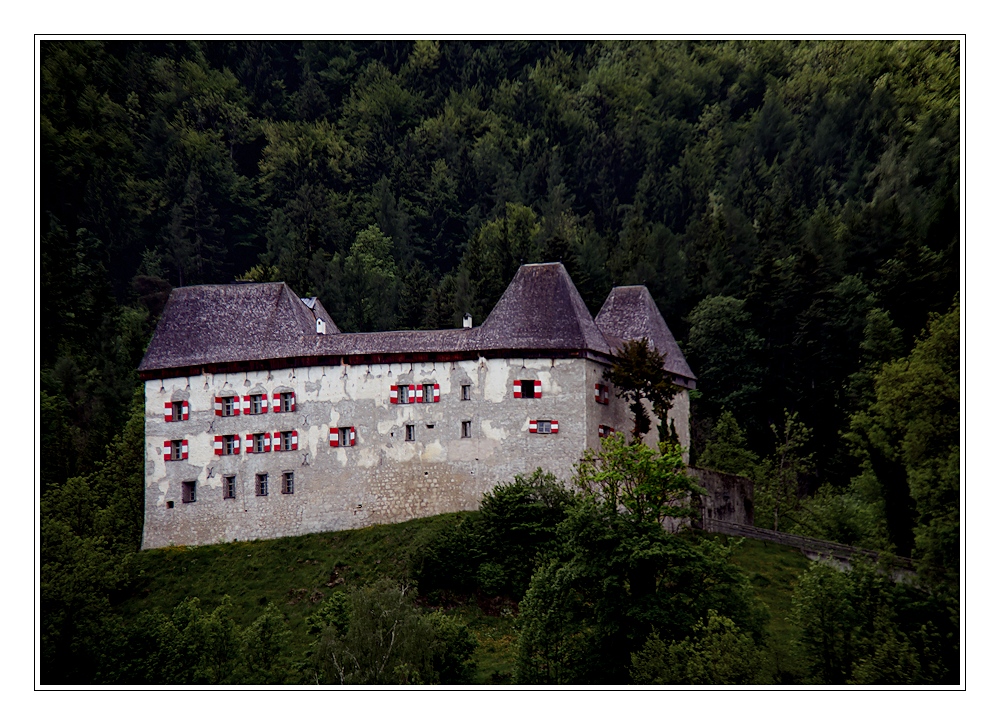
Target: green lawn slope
(297, 573)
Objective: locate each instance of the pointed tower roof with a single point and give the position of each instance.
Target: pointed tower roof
(233, 322)
(540, 310)
(629, 313)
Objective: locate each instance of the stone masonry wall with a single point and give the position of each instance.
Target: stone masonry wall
(729, 498)
(383, 478)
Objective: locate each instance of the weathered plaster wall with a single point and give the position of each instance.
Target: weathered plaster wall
(383, 478)
(617, 415)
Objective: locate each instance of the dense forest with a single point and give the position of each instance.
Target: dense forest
(793, 207)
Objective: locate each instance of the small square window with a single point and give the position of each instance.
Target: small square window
(229, 445)
(170, 504)
(345, 436)
(176, 410)
(258, 442)
(229, 487)
(284, 441)
(175, 450)
(287, 402)
(228, 407)
(467, 429)
(256, 406)
(188, 493)
(404, 394)
(527, 389)
(411, 432)
(261, 484)
(545, 426)
(466, 392)
(428, 392)
(288, 482)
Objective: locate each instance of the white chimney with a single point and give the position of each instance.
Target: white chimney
(320, 326)
(467, 321)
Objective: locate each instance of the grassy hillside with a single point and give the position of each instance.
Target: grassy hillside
(297, 573)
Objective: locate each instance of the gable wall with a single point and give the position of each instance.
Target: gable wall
(383, 478)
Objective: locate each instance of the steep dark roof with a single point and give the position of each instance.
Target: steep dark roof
(230, 323)
(629, 313)
(540, 310)
(385, 343)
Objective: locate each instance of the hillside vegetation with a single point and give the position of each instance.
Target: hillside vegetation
(298, 574)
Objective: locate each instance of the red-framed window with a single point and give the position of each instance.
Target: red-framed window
(255, 404)
(227, 445)
(258, 442)
(285, 440)
(175, 450)
(343, 437)
(175, 410)
(227, 406)
(284, 402)
(527, 388)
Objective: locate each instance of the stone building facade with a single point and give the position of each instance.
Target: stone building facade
(264, 420)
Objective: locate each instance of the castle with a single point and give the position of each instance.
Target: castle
(264, 420)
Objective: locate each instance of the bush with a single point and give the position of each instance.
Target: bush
(860, 627)
(495, 551)
(388, 641)
(611, 582)
(717, 653)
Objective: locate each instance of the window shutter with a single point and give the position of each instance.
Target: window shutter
(236, 405)
(517, 388)
(555, 426)
(413, 394)
(394, 394)
(184, 450)
(354, 437)
(597, 393)
(334, 438)
(437, 393)
(250, 443)
(538, 388)
(420, 393)
(218, 405)
(168, 412)
(184, 410)
(166, 450)
(263, 403)
(236, 445)
(267, 443)
(277, 402)
(532, 426)
(218, 444)
(246, 405)
(293, 402)
(295, 440)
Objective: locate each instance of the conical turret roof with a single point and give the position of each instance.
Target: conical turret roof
(629, 313)
(542, 310)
